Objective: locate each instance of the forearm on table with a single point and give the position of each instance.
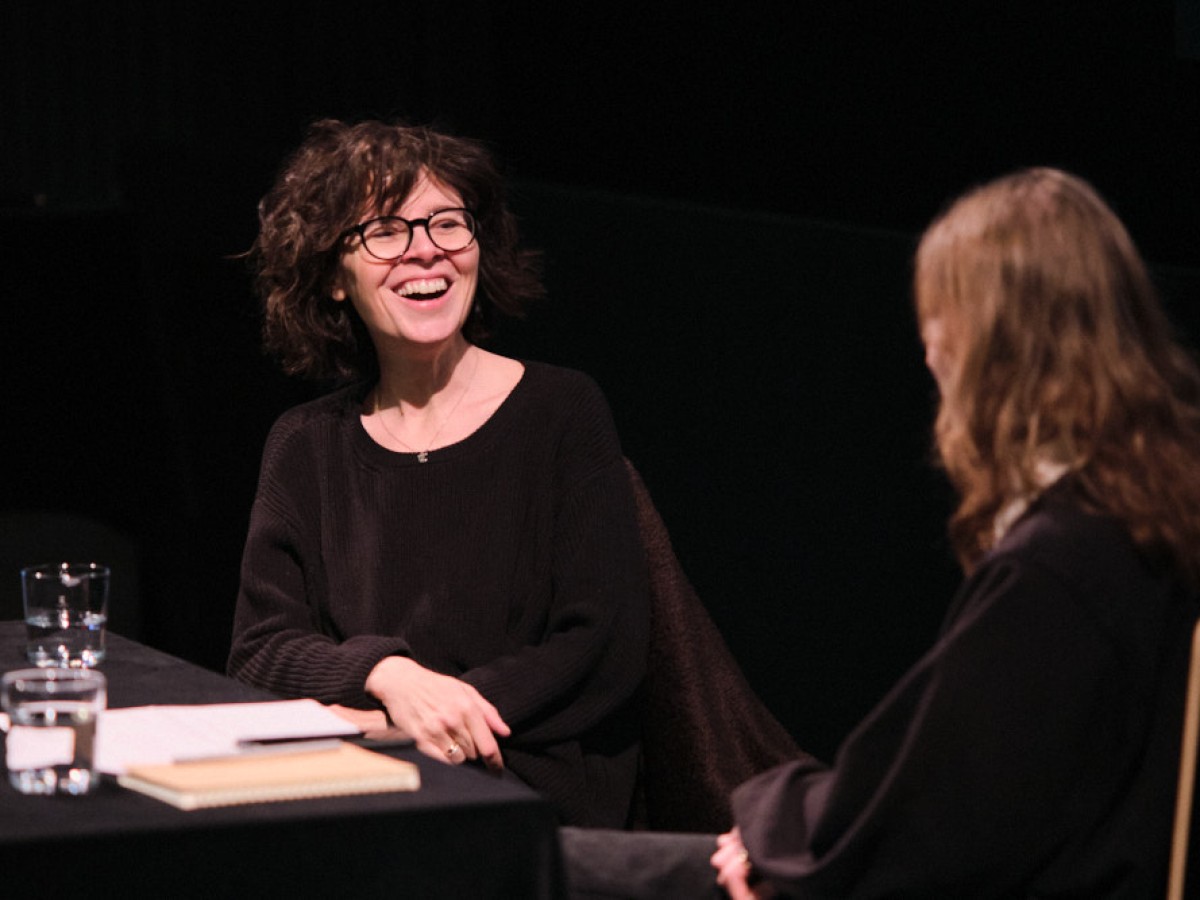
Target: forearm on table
(316, 666)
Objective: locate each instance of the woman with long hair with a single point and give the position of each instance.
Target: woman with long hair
(1033, 750)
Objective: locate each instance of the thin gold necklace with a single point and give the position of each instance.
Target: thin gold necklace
(423, 455)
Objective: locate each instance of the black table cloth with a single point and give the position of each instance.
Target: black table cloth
(465, 833)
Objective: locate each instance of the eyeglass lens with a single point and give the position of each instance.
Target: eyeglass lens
(390, 237)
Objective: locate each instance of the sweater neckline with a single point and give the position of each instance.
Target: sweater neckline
(376, 454)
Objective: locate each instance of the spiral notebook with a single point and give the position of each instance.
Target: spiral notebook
(267, 778)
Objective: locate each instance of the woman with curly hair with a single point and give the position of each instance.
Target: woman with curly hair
(446, 542)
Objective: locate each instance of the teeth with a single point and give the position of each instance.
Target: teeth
(422, 286)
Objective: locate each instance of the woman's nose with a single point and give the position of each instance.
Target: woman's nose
(421, 245)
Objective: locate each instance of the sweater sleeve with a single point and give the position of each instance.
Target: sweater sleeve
(1005, 741)
(593, 655)
(279, 643)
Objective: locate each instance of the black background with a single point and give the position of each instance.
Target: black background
(728, 199)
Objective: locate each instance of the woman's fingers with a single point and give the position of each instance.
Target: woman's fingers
(729, 847)
(449, 719)
(485, 745)
(734, 876)
(471, 736)
(457, 751)
(723, 840)
(429, 748)
(365, 720)
(492, 717)
(731, 861)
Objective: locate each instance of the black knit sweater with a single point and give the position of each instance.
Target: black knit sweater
(510, 560)
(1032, 752)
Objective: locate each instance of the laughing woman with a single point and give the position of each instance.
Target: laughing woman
(446, 542)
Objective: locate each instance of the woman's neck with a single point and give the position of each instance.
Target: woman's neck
(412, 381)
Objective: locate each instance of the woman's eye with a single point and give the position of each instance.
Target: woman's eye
(386, 231)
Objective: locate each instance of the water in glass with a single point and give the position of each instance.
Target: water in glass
(51, 745)
(61, 637)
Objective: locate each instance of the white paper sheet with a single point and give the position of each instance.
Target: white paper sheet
(151, 735)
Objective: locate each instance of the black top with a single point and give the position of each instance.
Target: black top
(1032, 752)
(510, 560)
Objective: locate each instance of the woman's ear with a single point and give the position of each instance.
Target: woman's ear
(336, 290)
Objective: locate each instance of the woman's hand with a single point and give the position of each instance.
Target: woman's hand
(449, 720)
(732, 863)
(371, 722)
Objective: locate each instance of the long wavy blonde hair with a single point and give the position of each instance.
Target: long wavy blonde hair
(1059, 352)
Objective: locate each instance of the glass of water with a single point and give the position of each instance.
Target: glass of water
(51, 741)
(66, 611)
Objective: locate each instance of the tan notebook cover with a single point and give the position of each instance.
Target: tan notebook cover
(346, 769)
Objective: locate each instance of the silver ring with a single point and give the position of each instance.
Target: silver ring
(452, 749)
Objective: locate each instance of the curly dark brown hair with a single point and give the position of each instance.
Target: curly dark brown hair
(338, 173)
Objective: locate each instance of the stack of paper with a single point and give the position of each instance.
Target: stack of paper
(155, 735)
(231, 753)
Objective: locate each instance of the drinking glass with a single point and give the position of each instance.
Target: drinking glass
(66, 612)
(51, 740)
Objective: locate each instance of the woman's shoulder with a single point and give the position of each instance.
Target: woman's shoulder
(332, 405)
(546, 384)
(1061, 532)
(1063, 549)
(313, 418)
(566, 407)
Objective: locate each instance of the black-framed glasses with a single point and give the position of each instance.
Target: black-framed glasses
(388, 238)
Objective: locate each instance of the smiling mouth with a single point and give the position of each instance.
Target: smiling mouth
(424, 288)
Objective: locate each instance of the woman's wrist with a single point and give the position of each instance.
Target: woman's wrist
(383, 674)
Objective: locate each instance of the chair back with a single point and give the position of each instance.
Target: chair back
(1180, 836)
(704, 731)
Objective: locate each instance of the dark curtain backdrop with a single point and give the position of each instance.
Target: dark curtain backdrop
(728, 199)
(861, 110)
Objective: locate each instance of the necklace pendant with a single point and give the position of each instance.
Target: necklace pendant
(423, 456)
